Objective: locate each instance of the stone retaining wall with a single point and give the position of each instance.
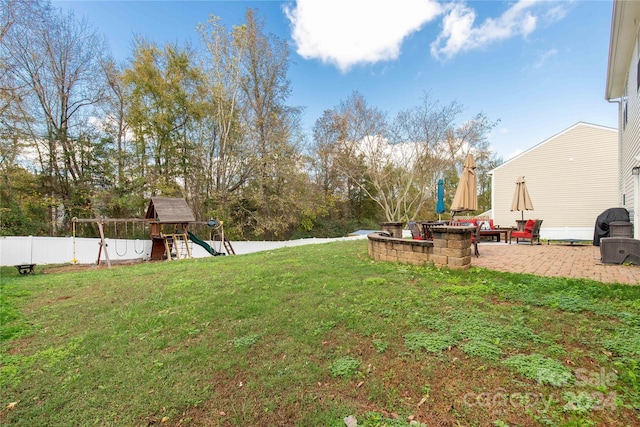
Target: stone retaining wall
(393, 228)
(451, 247)
(408, 251)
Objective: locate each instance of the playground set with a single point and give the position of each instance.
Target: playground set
(169, 220)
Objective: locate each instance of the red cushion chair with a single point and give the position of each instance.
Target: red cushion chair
(531, 231)
(416, 232)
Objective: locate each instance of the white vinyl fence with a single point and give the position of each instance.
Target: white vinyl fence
(61, 250)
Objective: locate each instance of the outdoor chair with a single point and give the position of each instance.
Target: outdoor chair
(531, 231)
(416, 230)
(475, 237)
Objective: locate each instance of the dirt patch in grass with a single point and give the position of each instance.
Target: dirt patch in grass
(440, 390)
(18, 345)
(237, 400)
(497, 301)
(75, 268)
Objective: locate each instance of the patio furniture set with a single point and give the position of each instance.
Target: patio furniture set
(530, 230)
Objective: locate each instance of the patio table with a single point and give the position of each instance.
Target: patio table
(506, 232)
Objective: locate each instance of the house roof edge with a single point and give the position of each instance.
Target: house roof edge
(539, 144)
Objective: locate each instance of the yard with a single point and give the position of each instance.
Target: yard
(313, 334)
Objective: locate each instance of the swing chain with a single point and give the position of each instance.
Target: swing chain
(134, 242)
(115, 228)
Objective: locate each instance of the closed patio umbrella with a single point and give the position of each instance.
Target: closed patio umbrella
(466, 197)
(521, 200)
(440, 209)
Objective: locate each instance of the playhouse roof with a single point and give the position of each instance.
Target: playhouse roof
(166, 210)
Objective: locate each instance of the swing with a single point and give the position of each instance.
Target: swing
(137, 240)
(115, 228)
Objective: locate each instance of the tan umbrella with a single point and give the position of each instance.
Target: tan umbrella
(521, 200)
(466, 198)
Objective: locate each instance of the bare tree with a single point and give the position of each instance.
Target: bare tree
(55, 59)
(14, 120)
(115, 106)
(272, 126)
(11, 12)
(326, 132)
(226, 144)
(427, 133)
(396, 165)
(345, 139)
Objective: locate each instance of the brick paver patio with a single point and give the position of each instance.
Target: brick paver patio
(580, 261)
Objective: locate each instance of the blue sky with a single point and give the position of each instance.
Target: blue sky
(537, 66)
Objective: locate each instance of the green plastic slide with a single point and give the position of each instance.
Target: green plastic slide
(204, 244)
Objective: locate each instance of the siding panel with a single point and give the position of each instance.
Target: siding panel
(630, 135)
(571, 177)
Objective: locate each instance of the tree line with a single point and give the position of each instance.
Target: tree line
(84, 136)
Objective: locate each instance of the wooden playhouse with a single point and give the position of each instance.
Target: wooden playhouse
(168, 219)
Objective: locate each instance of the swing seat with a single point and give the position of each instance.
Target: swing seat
(115, 245)
(135, 247)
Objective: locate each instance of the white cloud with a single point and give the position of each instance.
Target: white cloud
(350, 32)
(542, 60)
(460, 34)
(558, 11)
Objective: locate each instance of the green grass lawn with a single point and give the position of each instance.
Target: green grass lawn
(310, 335)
